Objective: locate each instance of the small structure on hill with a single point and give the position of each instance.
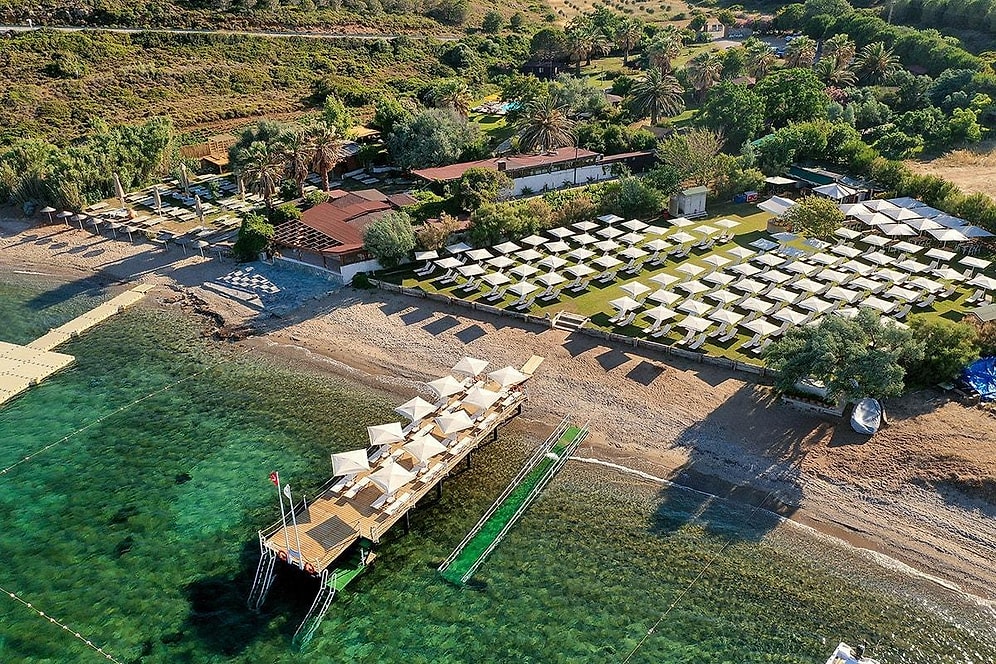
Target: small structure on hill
(714, 28)
(689, 203)
(212, 154)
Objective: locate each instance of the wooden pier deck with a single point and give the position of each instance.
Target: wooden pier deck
(335, 519)
(22, 367)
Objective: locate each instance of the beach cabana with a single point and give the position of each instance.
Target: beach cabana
(350, 463)
(507, 376)
(385, 434)
(470, 366)
(445, 386)
(415, 409)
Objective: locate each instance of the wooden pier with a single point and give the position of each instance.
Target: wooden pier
(22, 367)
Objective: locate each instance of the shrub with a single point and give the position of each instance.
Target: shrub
(390, 239)
(948, 348)
(317, 197)
(284, 213)
(254, 235)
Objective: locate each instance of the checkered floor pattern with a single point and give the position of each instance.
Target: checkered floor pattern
(248, 279)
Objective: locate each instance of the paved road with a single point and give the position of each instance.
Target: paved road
(242, 33)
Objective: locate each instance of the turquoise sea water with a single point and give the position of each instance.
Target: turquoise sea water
(140, 532)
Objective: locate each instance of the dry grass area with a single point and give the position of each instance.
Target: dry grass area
(648, 10)
(972, 168)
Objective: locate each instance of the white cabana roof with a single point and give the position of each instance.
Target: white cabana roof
(391, 476)
(776, 205)
(415, 409)
(470, 366)
(350, 463)
(507, 376)
(445, 386)
(385, 434)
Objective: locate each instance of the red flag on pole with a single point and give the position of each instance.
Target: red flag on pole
(275, 478)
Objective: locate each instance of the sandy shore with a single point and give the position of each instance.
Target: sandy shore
(922, 491)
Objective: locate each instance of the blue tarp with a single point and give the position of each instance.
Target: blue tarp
(981, 376)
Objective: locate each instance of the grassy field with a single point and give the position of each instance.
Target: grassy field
(594, 303)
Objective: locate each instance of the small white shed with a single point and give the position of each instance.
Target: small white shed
(689, 203)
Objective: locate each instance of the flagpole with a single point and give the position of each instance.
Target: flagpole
(297, 534)
(283, 516)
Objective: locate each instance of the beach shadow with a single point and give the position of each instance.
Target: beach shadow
(471, 333)
(417, 316)
(579, 344)
(94, 253)
(612, 358)
(645, 372)
(394, 307)
(440, 325)
(89, 286)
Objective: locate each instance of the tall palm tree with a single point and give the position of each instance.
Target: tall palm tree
(801, 52)
(585, 38)
(628, 35)
(760, 59)
(262, 168)
(875, 62)
(664, 48)
(455, 96)
(830, 74)
(545, 126)
(295, 149)
(704, 71)
(326, 150)
(841, 49)
(658, 94)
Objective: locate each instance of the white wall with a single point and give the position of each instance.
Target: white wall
(558, 179)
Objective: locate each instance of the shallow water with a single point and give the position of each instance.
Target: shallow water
(140, 532)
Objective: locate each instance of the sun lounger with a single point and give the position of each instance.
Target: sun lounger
(687, 338)
(750, 343)
(355, 489)
(698, 342)
(976, 296)
(525, 305)
(663, 331)
(398, 503)
(627, 320)
(902, 313)
(760, 348)
(380, 502)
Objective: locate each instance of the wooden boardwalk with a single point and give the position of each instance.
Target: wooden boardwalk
(338, 517)
(22, 367)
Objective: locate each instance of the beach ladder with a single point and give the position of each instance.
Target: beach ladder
(537, 472)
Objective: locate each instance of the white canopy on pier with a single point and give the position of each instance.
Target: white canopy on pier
(391, 476)
(385, 434)
(350, 463)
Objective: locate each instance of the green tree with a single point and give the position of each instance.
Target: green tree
(489, 224)
(629, 32)
(800, 52)
(694, 156)
(254, 235)
(948, 348)
(432, 137)
(792, 95)
(964, 127)
(298, 154)
(327, 150)
(853, 358)
(453, 94)
(478, 186)
(664, 48)
(390, 239)
(814, 216)
(493, 22)
(734, 111)
(338, 116)
(548, 44)
(657, 94)
(875, 62)
(267, 132)
(760, 59)
(262, 169)
(453, 12)
(545, 126)
(704, 71)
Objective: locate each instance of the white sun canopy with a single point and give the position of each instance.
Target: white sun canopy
(391, 476)
(350, 463)
(470, 366)
(415, 409)
(450, 423)
(445, 386)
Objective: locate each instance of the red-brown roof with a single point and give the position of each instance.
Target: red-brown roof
(512, 164)
(335, 226)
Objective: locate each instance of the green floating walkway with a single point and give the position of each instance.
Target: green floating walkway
(512, 503)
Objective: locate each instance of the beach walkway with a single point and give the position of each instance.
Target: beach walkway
(22, 367)
(512, 503)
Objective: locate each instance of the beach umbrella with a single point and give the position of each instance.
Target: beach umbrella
(478, 254)
(445, 386)
(631, 238)
(385, 434)
(664, 279)
(158, 199)
(584, 239)
(523, 271)
(552, 263)
(895, 230)
(972, 261)
(496, 279)
(724, 297)
(726, 224)
(907, 247)
(790, 316)
(947, 235)
(470, 366)
(982, 281)
(808, 285)
(926, 284)
(775, 276)
(560, 232)
(756, 304)
(585, 226)
(657, 244)
(681, 237)
(119, 191)
(426, 255)
(391, 476)
(78, 218)
(184, 179)
(607, 262)
(634, 225)
(745, 269)
(782, 295)
(350, 463)
(624, 304)
(424, 447)
(748, 285)
(695, 323)
(716, 260)
(580, 254)
(448, 263)
(911, 265)
(533, 240)
(760, 326)
(198, 208)
(551, 279)
(65, 216)
(481, 398)
(522, 289)
(768, 260)
(633, 253)
(608, 232)
(528, 255)
(458, 248)
(450, 423)
(580, 271)
(719, 278)
(607, 245)
(897, 292)
(726, 317)
(240, 187)
(694, 307)
(472, 270)
(940, 254)
(664, 296)
(879, 258)
(949, 274)
(635, 289)
(557, 246)
(48, 210)
(814, 304)
(693, 287)
(690, 269)
(415, 409)
(507, 247)
(610, 219)
(661, 313)
(507, 376)
(681, 222)
(501, 262)
(824, 259)
(923, 224)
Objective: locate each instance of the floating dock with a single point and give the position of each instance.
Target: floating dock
(22, 367)
(336, 531)
(512, 503)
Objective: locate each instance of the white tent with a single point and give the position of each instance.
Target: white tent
(350, 463)
(481, 398)
(450, 423)
(385, 434)
(445, 386)
(470, 366)
(391, 476)
(415, 409)
(507, 376)
(424, 447)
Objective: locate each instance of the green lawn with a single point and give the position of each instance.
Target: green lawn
(594, 303)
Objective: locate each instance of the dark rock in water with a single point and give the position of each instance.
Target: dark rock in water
(124, 546)
(182, 478)
(124, 514)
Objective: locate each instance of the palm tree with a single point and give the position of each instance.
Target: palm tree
(704, 71)
(628, 35)
(664, 48)
(545, 126)
(456, 96)
(658, 94)
(830, 74)
(326, 150)
(585, 38)
(760, 59)
(295, 149)
(875, 63)
(800, 52)
(262, 169)
(841, 49)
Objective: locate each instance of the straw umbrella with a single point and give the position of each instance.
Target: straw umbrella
(119, 191)
(199, 209)
(48, 209)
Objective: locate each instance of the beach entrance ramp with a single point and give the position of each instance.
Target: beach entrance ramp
(484, 537)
